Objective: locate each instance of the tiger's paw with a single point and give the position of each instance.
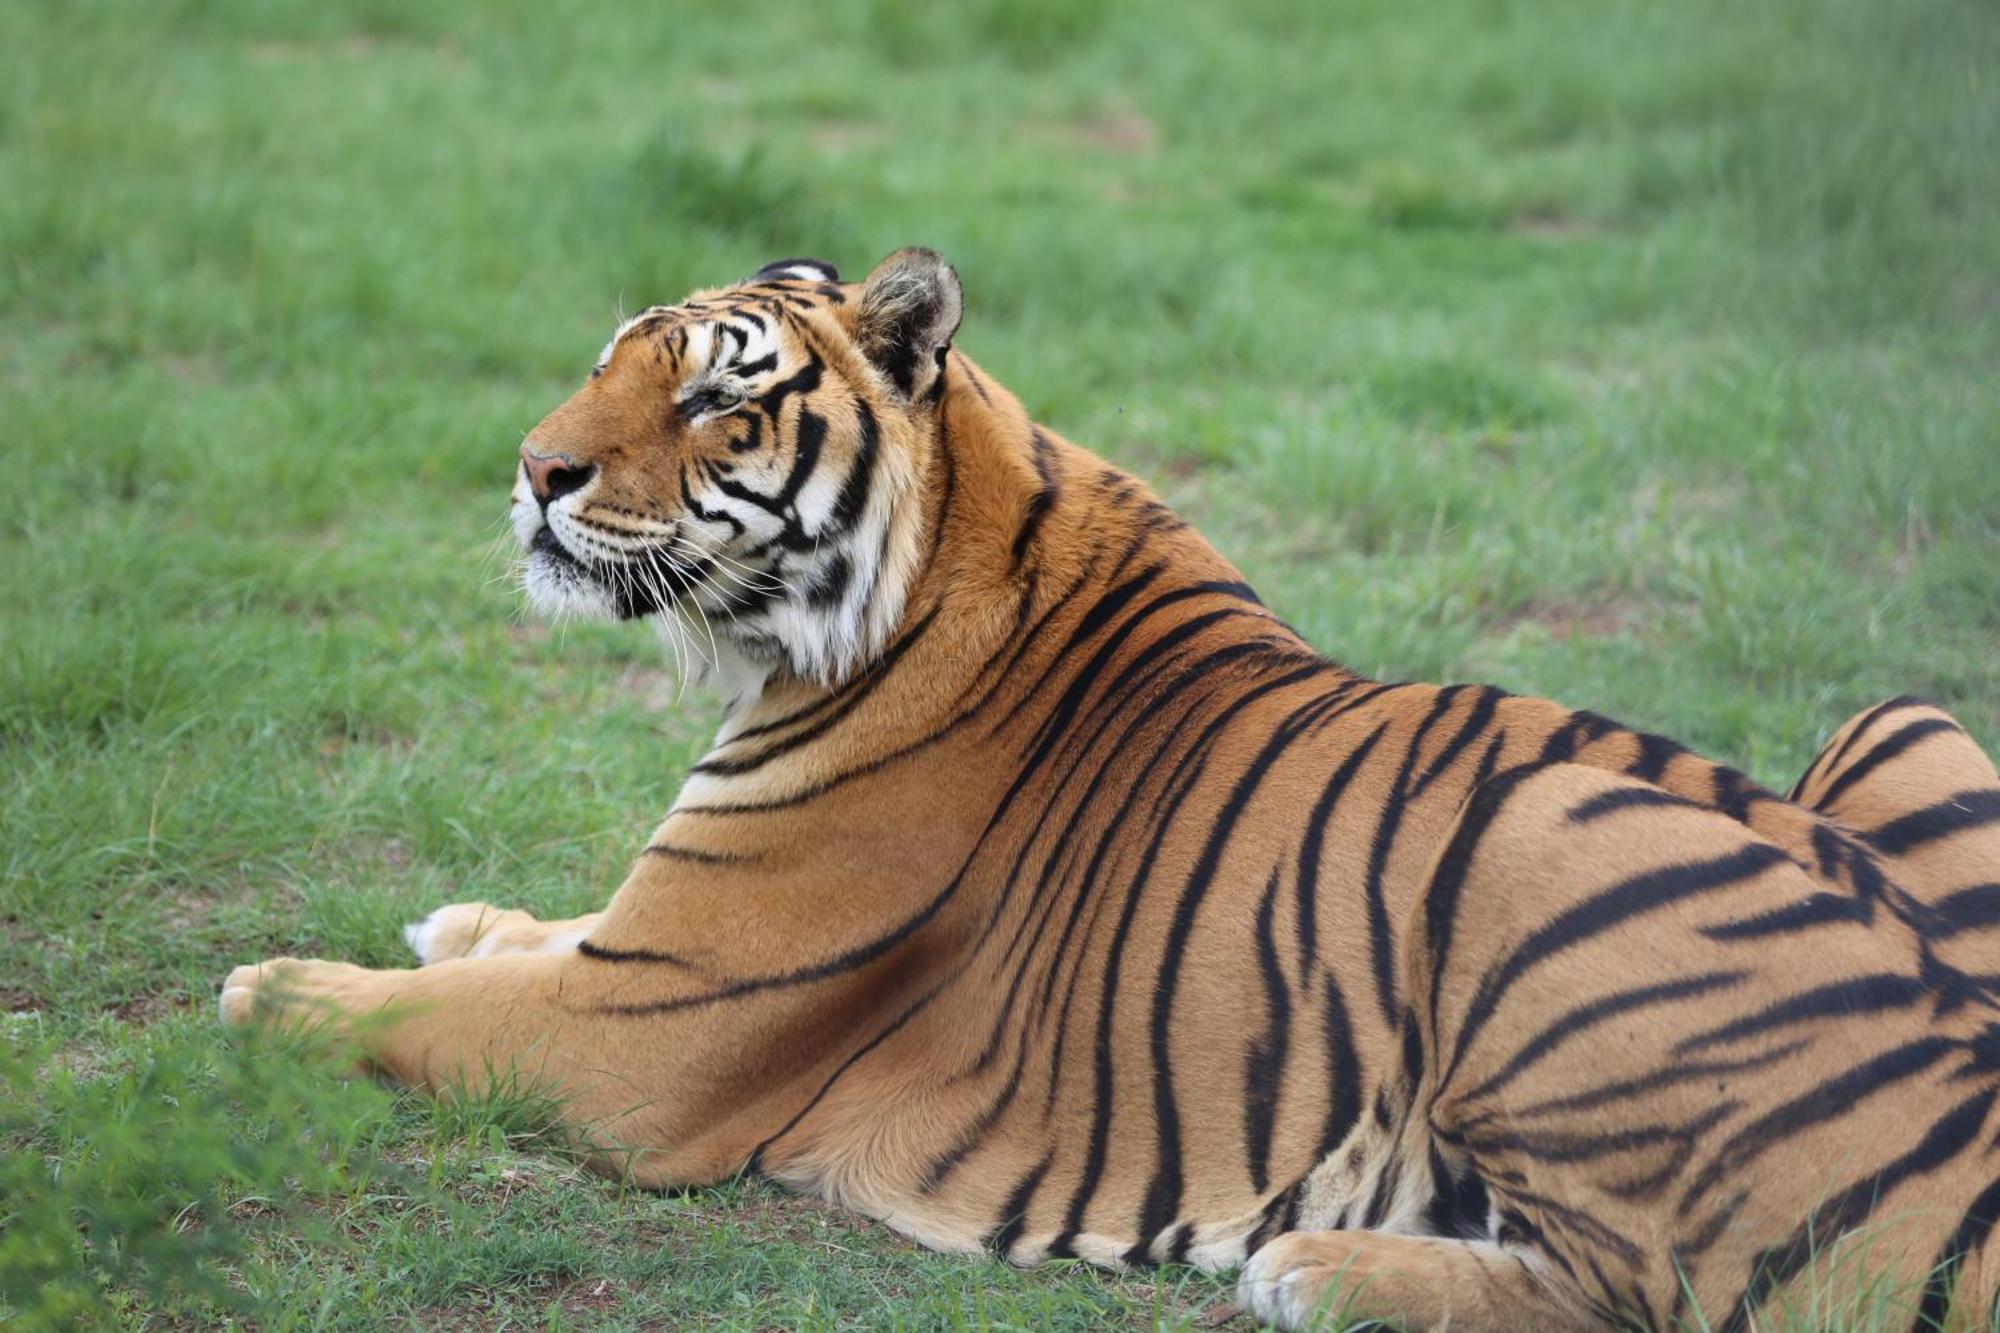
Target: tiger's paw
(282, 990)
(1293, 1282)
(461, 930)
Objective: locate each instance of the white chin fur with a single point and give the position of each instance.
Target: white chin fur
(557, 592)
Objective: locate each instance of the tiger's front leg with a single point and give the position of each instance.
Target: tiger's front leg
(664, 1088)
(478, 930)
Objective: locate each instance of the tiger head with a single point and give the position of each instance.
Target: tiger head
(743, 467)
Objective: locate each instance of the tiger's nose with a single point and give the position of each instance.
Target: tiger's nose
(552, 476)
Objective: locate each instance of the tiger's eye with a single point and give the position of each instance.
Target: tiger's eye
(711, 401)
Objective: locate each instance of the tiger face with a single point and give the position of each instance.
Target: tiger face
(741, 466)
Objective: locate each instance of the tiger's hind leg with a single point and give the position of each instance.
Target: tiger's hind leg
(1924, 796)
(1306, 1279)
(480, 930)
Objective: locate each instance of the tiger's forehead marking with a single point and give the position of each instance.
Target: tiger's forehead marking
(740, 325)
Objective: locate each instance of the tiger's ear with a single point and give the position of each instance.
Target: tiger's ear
(910, 308)
(801, 270)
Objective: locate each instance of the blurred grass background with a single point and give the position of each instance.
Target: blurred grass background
(1641, 355)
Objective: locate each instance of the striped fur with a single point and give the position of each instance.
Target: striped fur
(1044, 892)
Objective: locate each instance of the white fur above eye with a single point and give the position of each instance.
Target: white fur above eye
(624, 327)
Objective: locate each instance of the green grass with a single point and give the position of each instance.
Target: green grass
(1640, 355)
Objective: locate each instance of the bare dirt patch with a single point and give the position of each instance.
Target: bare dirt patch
(587, 1297)
(145, 1010)
(657, 690)
(1119, 131)
(1549, 224)
(1568, 618)
(843, 136)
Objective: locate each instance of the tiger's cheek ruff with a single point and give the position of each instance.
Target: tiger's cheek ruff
(849, 593)
(814, 546)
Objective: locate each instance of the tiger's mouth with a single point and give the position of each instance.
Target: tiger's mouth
(546, 543)
(559, 580)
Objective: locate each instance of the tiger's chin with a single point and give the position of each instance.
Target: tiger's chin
(558, 589)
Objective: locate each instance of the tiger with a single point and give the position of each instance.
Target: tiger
(1044, 894)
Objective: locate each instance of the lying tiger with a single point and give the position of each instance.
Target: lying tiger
(1044, 892)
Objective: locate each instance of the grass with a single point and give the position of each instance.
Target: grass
(1638, 355)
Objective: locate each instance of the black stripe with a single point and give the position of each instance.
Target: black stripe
(606, 954)
(1118, 697)
(1875, 994)
(849, 698)
(1824, 762)
(853, 497)
(1471, 729)
(969, 712)
(1627, 798)
(1815, 909)
(1050, 729)
(1441, 897)
(1459, 1203)
(1827, 1100)
(1100, 1124)
(808, 437)
(1560, 1146)
(1313, 843)
(1385, 1190)
(1276, 1219)
(1628, 1089)
(672, 852)
(1044, 498)
(1381, 941)
(1096, 618)
(973, 379)
(1163, 1195)
(1973, 908)
(1601, 1010)
(864, 680)
(1954, 814)
(826, 587)
(1655, 753)
(1705, 1236)
(1343, 1071)
(1966, 1240)
(1853, 1206)
(1108, 839)
(1264, 1057)
(1579, 1221)
(1581, 728)
(1881, 754)
(1734, 793)
(756, 1162)
(1637, 895)
(1126, 690)
(1013, 1217)
(802, 381)
(1128, 686)
(1184, 779)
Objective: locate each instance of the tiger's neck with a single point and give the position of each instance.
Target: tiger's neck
(995, 521)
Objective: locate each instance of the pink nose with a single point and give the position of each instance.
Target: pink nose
(552, 476)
